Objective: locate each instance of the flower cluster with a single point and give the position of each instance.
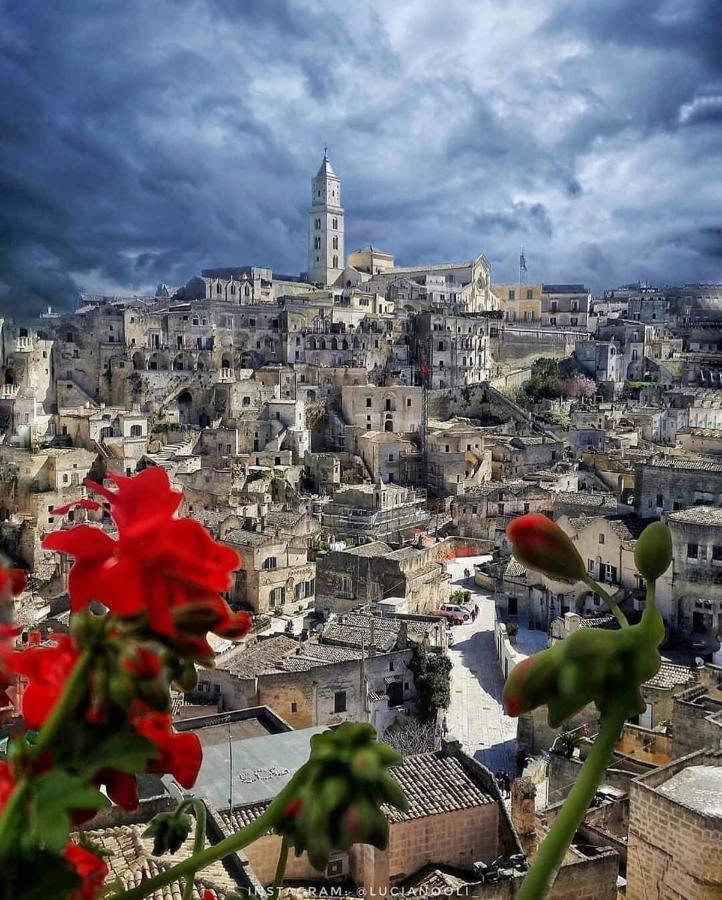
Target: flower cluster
(162, 573)
(590, 665)
(95, 702)
(341, 789)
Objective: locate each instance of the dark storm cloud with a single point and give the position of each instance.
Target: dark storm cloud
(141, 142)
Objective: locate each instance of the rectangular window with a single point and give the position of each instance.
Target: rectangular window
(294, 707)
(717, 552)
(590, 565)
(692, 551)
(601, 538)
(529, 294)
(339, 702)
(512, 295)
(660, 500)
(276, 597)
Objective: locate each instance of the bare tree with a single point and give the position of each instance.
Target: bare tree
(411, 736)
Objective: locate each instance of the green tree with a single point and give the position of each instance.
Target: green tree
(432, 673)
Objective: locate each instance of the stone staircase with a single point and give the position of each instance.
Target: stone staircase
(170, 453)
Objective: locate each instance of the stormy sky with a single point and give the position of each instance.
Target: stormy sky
(141, 141)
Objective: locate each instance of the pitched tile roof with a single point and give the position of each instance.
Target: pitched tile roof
(434, 784)
(697, 515)
(670, 675)
(249, 660)
(131, 861)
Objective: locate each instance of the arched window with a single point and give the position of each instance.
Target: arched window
(246, 291)
(233, 289)
(269, 562)
(218, 288)
(317, 243)
(335, 222)
(136, 431)
(335, 262)
(335, 243)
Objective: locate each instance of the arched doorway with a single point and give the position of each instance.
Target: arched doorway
(185, 407)
(389, 425)
(138, 361)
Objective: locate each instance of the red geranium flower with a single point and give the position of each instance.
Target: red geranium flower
(7, 783)
(158, 565)
(91, 869)
(12, 582)
(47, 669)
(180, 755)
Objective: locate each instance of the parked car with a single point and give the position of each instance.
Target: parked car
(452, 617)
(454, 607)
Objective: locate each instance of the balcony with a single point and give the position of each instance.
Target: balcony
(8, 391)
(22, 345)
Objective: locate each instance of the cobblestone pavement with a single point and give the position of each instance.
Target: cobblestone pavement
(475, 716)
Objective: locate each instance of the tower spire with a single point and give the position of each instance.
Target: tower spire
(326, 258)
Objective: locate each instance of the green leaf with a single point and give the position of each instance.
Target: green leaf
(55, 795)
(126, 751)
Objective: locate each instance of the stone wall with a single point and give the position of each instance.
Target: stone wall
(696, 721)
(459, 839)
(674, 851)
(648, 746)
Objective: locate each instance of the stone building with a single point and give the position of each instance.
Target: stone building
(455, 818)
(310, 683)
(668, 484)
(364, 512)
(675, 830)
(275, 574)
(396, 408)
(357, 576)
(519, 302)
(514, 456)
(326, 259)
(566, 306)
(694, 592)
(454, 348)
(458, 459)
(485, 511)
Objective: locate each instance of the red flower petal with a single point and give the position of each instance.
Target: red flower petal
(91, 869)
(122, 788)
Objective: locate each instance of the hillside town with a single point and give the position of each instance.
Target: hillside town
(362, 434)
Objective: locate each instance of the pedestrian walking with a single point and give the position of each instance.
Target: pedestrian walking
(444, 727)
(507, 784)
(476, 608)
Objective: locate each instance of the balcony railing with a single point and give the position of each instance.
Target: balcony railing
(8, 391)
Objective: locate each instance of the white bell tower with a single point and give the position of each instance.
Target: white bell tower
(326, 258)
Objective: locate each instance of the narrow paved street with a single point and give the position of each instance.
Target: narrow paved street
(475, 716)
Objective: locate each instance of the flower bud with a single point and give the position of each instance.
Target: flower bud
(653, 551)
(541, 545)
(169, 831)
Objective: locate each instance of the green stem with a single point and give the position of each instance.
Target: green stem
(554, 847)
(199, 841)
(265, 822)
(609, 600)
(59, 716)
(280, 869)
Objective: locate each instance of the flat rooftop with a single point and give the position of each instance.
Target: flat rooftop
(698, 788)
(251, 770)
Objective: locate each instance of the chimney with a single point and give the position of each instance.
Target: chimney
(523, 813)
